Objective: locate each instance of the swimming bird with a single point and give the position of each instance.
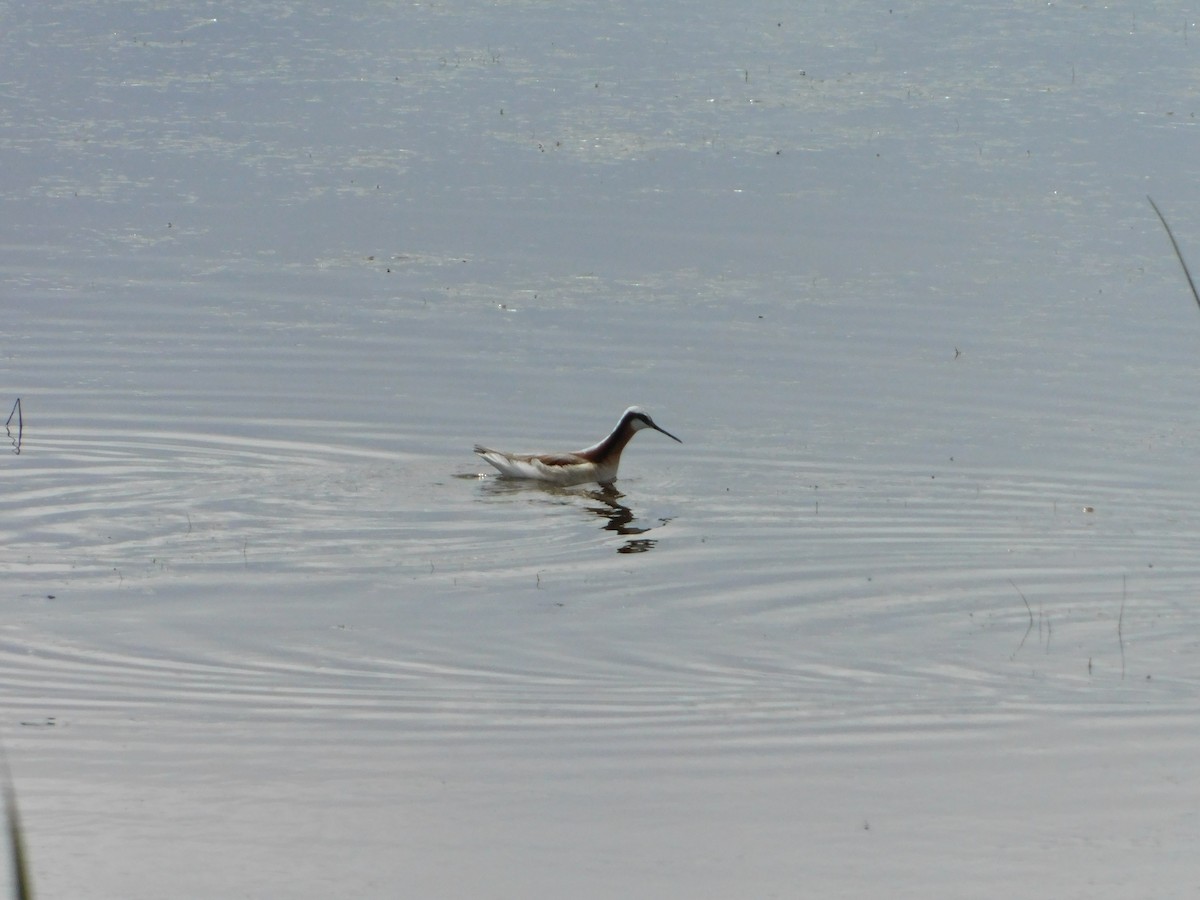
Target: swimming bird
(596, 463)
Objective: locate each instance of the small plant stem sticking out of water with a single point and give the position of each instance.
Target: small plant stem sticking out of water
(1120, 622)
(8, 426)
(22, 882)
(1028, 609)
(1175, 245)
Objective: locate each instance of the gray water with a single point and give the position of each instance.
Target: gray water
(910, 612)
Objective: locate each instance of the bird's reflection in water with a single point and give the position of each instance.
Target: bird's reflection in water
(620, 518)
(602, 500)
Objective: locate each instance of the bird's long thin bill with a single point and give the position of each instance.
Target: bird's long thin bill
(667, 433)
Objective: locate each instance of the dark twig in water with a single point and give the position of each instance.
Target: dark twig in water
(1120, 622)
(22, 881)
(1028, 630)
(16, 441)
(1178, 252)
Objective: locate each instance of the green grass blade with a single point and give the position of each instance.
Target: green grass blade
(22, 882)
(1175, 244)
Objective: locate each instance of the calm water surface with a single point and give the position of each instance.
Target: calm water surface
(912, 609)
